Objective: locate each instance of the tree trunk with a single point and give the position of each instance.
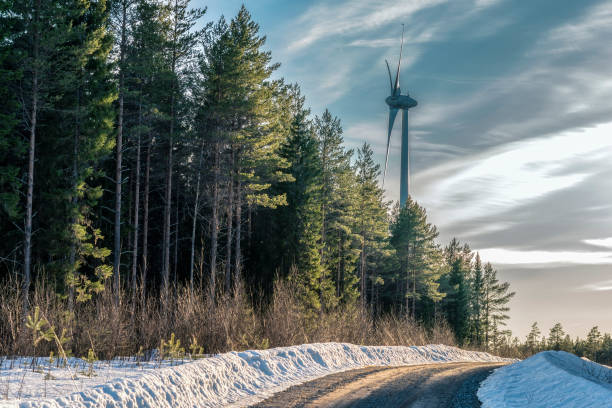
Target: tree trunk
(238, 261)
(414, 293)
(75, 175)
(27, 250)
(363, 270)
(176, 236)
(230, 220)
(407, 285)
(214, 224)
(168, 208)
(338, 269)
(194, 221)
(136, 203)
(249, 228)
(130, 204)
(118, 158)
(145, 221)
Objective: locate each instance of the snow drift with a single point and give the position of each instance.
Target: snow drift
(548, 380)
(243, 378)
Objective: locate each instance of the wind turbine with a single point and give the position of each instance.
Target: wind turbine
(396, 102)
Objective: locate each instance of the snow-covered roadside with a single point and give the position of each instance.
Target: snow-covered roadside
(549, 379)
(235, 378)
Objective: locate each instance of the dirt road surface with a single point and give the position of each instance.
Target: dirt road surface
(423, 386)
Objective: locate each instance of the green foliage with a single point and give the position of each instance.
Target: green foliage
(495, 306)
(555, 337)
(533, 338)
(457, 286)
(478, 299)
(197, 351)
(36, 323)
(89, 252)
(419, 256)
(372, 222)
(41, 329)
(171, 349)
(90, 359)
(302, 218)
(338, 207)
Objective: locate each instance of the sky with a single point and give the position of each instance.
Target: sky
(511, 144)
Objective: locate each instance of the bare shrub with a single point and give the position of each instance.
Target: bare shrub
(227, 322)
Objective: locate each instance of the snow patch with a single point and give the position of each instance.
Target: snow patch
(237, 378)
(551, 379)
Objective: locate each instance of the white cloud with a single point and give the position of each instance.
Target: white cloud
(587, 30)
(513, 257)
(486, 3)
(598, 287)
(412, 36)
(354, 17)
(502, 178)
(606, 242)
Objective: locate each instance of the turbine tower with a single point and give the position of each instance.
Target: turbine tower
(396, 102)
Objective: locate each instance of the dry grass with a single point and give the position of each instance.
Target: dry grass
(229, 322)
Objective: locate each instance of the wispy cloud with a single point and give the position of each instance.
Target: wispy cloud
(606, 242)
(599, 286)
(501, 256)
(353, 17)
(414, 35)
(501, 178)
(572, 36)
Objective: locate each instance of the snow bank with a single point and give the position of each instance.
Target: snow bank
(243, 378)
(548, 380)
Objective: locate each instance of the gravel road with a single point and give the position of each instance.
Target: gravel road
(424, 386)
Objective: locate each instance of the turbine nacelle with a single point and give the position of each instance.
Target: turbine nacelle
(400, 102)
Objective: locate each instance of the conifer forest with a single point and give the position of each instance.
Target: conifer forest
(158, 179)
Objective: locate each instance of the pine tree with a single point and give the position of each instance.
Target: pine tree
(593, 343)
(420, 258)
(457, 287)
(555, 337)
(301, 220)
(533, 338)
(477, 298)
(257, 134)
(338, 186)
(495, 306)
(372, 224)
(241, 112)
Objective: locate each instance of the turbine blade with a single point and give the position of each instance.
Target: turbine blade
(392, 115)
(399, 63)
(390, 80)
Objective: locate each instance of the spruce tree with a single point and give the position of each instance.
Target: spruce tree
(533, 338)
(593, 343)
(301, 220)
(457, 286)
(372, 223)
(420, 257)
(477, 297)
(338, 188)
(555, 337)
(495, 305)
